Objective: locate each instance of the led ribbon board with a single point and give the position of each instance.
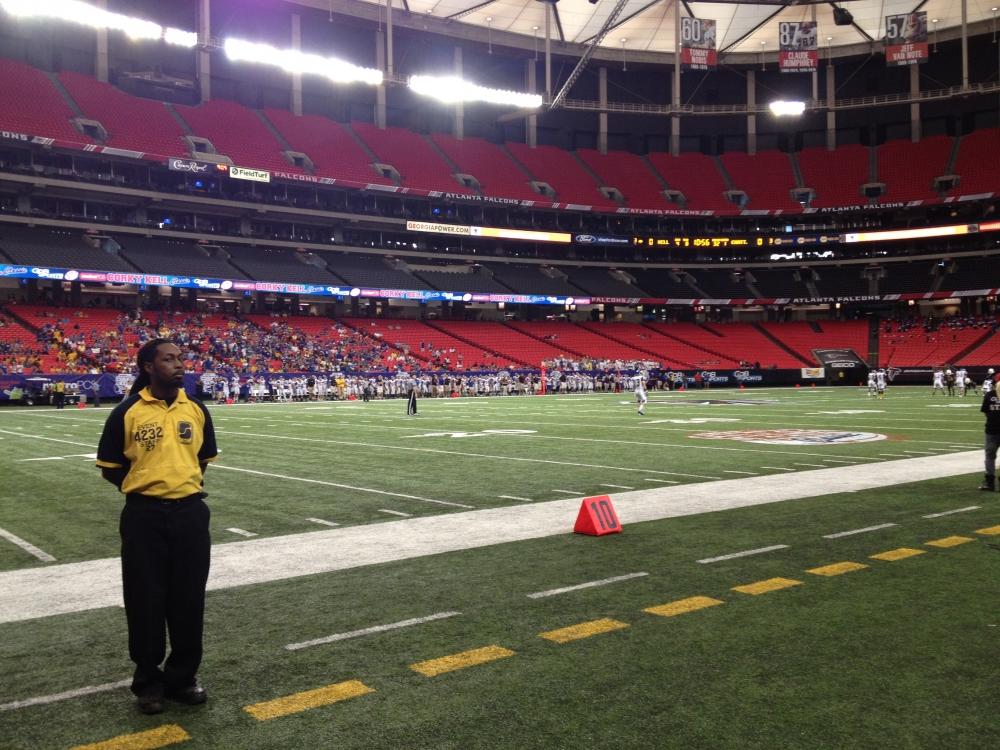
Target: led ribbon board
(462, 230)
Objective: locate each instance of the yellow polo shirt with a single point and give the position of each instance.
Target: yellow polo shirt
(161, 447)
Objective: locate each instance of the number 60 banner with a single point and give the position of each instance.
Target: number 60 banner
(698, 44)
(906, 38)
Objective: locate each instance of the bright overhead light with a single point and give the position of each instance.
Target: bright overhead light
(294, 61)
(450, 89)
(781, 108)
(75, 11)
(180, 38)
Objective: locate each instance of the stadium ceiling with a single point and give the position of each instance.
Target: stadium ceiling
(647, 26)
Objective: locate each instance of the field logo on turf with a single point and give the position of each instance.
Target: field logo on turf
(792, 437)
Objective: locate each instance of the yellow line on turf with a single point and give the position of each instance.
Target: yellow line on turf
(897, 554)
(949, 541)
(837, 569)
(683, 606)
(296, 702)
(434, 667)
(583, 630)
(991, 531)
(168, 734)
(767, 586)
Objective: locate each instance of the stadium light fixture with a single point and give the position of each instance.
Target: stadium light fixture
(180, 38)
(75, 11)
(294, 61)
(450, 89)
(782, 108)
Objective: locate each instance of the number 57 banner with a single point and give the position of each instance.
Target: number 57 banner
(906, 38)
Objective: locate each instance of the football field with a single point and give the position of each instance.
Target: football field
(806, 568)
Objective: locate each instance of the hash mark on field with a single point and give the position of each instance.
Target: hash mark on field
(897, 554)
(838, 461)
(322, 522)
(587, 585)
(744, 553)
(815, 466)
(949, 541)
(618, 486)
(923, 453)
(168, 734)
(515, 497)
(28, 547)
(662, 481)
(683, 606)
(296, 702)
(767, 586)
(242, 532)
(583, 630)
(837, 569)
(949, 512)
(744, 473)
(778, 468)
(395, 513)
(370, 631)
(894, 455)
(56, 697)
(568, 492)
(434, 667)
(858, 531)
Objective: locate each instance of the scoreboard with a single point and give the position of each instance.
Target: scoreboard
(733, 242)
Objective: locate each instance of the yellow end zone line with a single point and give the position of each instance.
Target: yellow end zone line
(583, 630)
(462, 660)
(168, 734)
(296, 702)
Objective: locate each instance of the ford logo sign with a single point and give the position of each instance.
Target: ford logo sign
(586, 239)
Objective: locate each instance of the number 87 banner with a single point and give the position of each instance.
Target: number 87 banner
(797, 46)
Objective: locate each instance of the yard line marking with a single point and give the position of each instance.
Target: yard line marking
(683, 606)
(618, 486)
(858, 531)
(296, 702)
(568, 492)
(343, 486)
(46, 590)
(583, 630)
(744, 553)
(838, 461)
(815, 466)
(767, 586)
(150, 739)
(949, 541)
(949, 512)
(923, 453)
(894, 455)
(441, 665)
(991, 531)
(661, 481)
(242, 532)
(370, 631)
(897, 554)
(745, 473)
(40, 437)
(28, 547)
(587, 585)
(778, 468)
(395, 512)
(42, 700)
(515, 497)
(322, 522)
(837, 569)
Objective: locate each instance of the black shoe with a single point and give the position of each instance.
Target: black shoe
(150, 703)
(192, 695)
(989, 483)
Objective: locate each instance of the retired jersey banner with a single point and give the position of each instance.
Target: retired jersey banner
(698, 44)
(906, 38)
(797, 46)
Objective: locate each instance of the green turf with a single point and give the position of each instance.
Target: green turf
(901, 654)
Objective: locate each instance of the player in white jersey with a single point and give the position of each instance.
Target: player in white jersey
(960, 377)
(640, 396)
(880, 382)
(872, 389)
(938, 382)
(988, 382)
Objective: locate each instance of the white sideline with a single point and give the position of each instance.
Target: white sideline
(865, 530)
(370, 631)
(66, 695)
(75, 587)
(744, 553)
(587, 585)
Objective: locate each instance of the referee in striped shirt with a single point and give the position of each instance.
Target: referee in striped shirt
(155, 447)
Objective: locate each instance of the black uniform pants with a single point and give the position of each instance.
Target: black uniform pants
(411, 403)
(165, 559)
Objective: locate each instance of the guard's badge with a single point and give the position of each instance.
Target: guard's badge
(185, 432)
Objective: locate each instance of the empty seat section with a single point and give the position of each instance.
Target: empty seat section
(418, 164)
(662, 283)
(908, 169)
(659, 348)
(900, 345)
(836, 176)
(30, 104)
(130, 121)
(599, 282)
(901, 278)
(333, 150)
(746, 342)
(572, 183)
(630, 174)
(694, 344)
(721, 284)
(62, 249)
(767, 179)
(237, 132)
(987, 353)
(450, 281)
(579, 340)
(802, 337)
(532, 281)
(436, 347)
(498, 174)
(779, 282)
(846, 281)
(697, 176)
(968, 273)
(279, 264)
(976, 165)
(371, 272)
(508, 342)
(177, 257)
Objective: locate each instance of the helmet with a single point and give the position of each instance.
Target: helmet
(989, 371)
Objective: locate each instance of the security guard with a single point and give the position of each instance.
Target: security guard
(155, 448)
(991, 408)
